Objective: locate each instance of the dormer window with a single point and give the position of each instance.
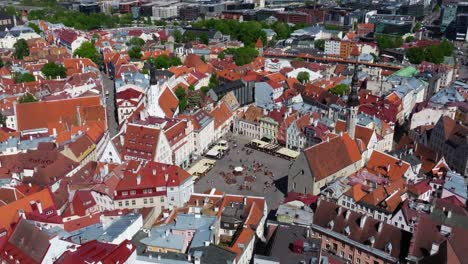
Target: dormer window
(388, 248)
(347, 230)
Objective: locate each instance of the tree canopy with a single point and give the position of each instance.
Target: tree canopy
(182, 96)
(77, 19)
(135, 41)
(135, 52)
(164, 61)
(433, 53)
(389, 42)
(340, 89)
(243, 55)
(247, 32)
(24, 77)
(52, 70)
(319, 44)
(35, 28)
(27, 98)
(177, 36)
(87, 50)
(303, 77)
(21, 49)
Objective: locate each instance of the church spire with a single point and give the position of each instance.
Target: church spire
(353, 103)
(353, 98)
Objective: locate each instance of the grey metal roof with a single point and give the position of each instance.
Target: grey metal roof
(117, 227)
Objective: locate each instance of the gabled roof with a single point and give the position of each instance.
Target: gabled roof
(363, 133)
(40, 114)
(10, 212)
(220, 114)
(28, 244)
(98, 252)
(168, 102)
(343, 149)
(141, 141)
(386, 165)
(362, 229)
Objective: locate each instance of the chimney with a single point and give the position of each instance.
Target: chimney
(379, 228)
(138, 179)
(434, 248)
(245, 200)
(362, 221)
(78, 115)
(449, 214)
(39, 206)
(166, 177)
(348, 213)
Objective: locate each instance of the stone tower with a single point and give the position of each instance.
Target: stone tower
(353, 104)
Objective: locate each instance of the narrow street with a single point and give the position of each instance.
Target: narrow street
(110, 104)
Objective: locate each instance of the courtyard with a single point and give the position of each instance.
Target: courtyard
(246, 171)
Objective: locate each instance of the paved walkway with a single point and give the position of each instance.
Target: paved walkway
(261, 185)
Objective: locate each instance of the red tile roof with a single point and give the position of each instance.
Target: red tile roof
(168, 102)
(220, 115)
(343, 149)
(41, 114)
(141, 141)
(10, 211)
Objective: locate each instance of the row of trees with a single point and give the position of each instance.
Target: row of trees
(433, 53)
(79, 20)
(248, 32)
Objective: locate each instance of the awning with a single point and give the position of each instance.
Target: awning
(288, 153)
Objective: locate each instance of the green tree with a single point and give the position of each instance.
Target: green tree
(214, 82)
(191, 88)
(11, 10)
(221, 55)
(135, 53)
(52, 70)
(204, 38)
(409, 39)
(205, 89)
(24, 77)
(189, 36)
(436, 8)
(433, 53)
(177, 36)
(319, 44)
(160, 23)
(87, 50)
(21, 49)
(164, 61)
(446, 47)
(389, 42)
(417, 27)
(182, 96)
(415, 55)
(340, 89)
(135, 41)
(194, 100)
(27, 98)
(1, 63)
(303, 77)
(35, 28)
(3, 120)
(243, 55)
(281, 29)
